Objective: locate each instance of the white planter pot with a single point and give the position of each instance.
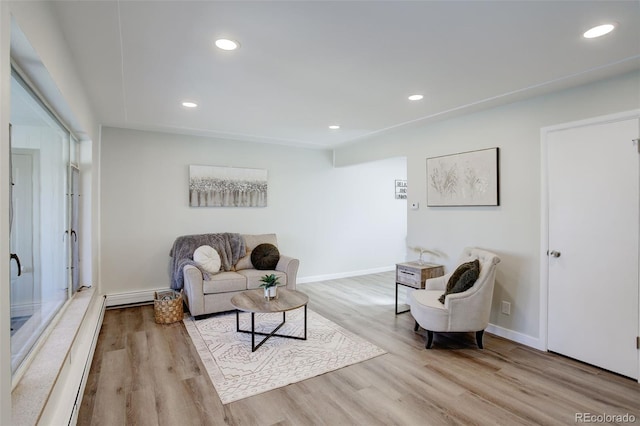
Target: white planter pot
(270, 293)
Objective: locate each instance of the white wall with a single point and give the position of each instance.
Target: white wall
(89, 220)
(40, 27)
(513, 228)
(51, 66)
(335, 220)
(5, 285)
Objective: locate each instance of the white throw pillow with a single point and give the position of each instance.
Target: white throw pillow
(207, 259)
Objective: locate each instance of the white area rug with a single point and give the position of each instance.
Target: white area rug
(238, 373)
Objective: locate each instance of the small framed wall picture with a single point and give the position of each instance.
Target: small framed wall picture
(401, 189)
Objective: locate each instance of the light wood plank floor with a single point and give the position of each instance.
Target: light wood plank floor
(149, 374)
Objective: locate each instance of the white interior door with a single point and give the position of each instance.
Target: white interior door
(593, 229)
(22, 286)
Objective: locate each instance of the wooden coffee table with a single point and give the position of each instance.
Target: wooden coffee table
(253, 301)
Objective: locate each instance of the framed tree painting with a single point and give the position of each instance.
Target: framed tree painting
(212, 186)
(464, 179)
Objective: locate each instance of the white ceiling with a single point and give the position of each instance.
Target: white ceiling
(304, 65)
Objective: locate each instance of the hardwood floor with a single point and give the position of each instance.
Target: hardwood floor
(149, 374)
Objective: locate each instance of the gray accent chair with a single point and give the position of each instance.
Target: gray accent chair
(468, 311)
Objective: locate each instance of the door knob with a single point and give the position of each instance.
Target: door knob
(554, 253)
(17, 259)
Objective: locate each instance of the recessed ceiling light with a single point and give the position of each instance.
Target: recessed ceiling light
(334, 127)
(226, 44)
(189, 104)
(415, 97)
(599, 31)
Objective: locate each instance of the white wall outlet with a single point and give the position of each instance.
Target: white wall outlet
(415, 206)
(506, 307)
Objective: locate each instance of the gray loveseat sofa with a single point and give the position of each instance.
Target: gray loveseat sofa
(210, 293)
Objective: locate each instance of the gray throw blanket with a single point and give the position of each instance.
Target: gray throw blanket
(230, 247)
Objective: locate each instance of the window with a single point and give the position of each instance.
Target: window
(40, 237)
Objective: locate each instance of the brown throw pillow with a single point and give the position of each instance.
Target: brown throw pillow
(453, 279)
(265, 257)
(462, 278)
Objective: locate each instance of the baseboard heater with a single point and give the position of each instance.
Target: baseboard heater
(87, 365)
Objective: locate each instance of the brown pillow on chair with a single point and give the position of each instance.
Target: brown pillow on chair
(462, 278)
(265, 257)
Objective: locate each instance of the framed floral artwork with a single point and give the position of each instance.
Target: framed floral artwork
(464, 179)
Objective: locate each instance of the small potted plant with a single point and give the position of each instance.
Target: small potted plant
(269, 283)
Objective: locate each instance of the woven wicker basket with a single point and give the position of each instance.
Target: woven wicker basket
(168, 311)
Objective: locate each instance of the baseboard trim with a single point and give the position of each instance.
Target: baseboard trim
(316, 278)
(132, 298)
(23, 310)
(515, 336)
(146, 296)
